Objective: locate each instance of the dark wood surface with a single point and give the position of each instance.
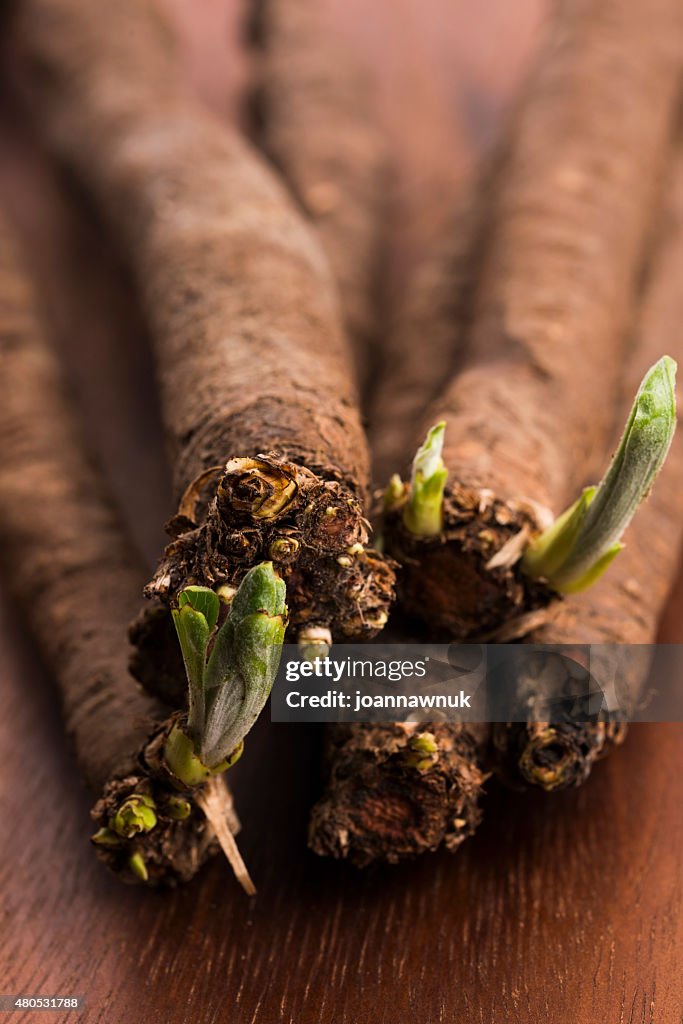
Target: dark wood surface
(564, 908)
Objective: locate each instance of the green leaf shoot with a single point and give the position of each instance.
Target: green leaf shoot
(580, 545)
(423, 512)
(230, 671)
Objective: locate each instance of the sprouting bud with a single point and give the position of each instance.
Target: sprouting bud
(202, 600)
(105, 837)
(579, 546)
(314, 642)
(229, 687)
(177, 808)
(136, 814)
(261, 590)
(422, 752)
(423, 512)
(283, 549)
(181, 756)
(394, 493)
(424, 743)
(137, 865)
(195, 619)
(377, 621)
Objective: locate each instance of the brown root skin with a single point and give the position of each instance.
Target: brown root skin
(242, 307)
(314, 104)
(553, 757)
(447, 582)
(387, 800)
(73, 572)
(156, 660)
(542, 335)
(312, 529)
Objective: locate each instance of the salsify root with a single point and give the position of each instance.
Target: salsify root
(68, 563)
(269, 457)
(532, 402)
(626, 606)
(318, 121)
(396, 791)
(428, 320)
(531, 238)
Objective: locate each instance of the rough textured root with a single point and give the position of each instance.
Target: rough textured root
(531, 406)
(429, 317)
(250, 351)
(65, 556)
(316, 119)
(626, 605)
(388, 800)
(172, 852)
(69, 565)
(156, 660)
(449, 579)
(312, 530)
(557, 756)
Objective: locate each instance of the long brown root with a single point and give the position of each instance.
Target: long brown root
(625, 606)
(71, 567)
(252, 360)
(530, 409)
(319, 123)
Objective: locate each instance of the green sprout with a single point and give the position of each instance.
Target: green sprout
(423, 512)
(137, 865)
(230, 671)
(582, 542)
(136, 814)
(422, 752)
(177, 808)
(105, 837)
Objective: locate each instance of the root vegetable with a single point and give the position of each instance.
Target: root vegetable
(269, 458)
(531, 405)
(395, 791)
(625, 606)
(427, 326)
(69, 565)
(318, 122)
(554, 147)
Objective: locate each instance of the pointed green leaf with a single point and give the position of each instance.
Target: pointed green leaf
(260, 590)
(193, 633)
(428, 456)
(546, 554)
(423, 512)
(258, 640)
(580, 545)
(203, 600)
